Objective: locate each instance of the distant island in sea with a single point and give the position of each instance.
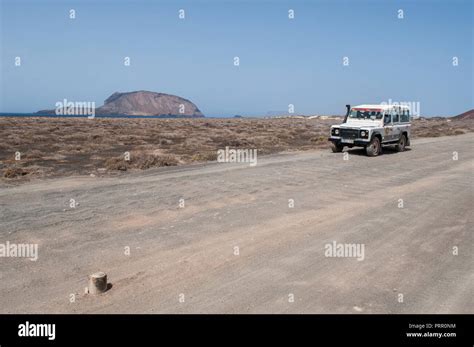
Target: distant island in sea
(137, 103)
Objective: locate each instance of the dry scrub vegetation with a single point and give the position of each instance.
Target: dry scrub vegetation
(79, 146)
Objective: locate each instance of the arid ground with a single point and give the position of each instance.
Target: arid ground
(52, 147)
(237, 245)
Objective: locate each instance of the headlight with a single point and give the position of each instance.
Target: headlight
(362, 133)
(336, 131)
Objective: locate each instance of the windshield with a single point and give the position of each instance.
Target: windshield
(365, 114)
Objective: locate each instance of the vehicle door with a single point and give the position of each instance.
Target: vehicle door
(405, 121)
(387, 126)
(396, 128)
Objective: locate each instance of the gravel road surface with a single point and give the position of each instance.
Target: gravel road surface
(252, 239)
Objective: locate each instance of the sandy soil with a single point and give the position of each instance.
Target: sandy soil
(190, 252)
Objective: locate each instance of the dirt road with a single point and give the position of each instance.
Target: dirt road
(238, 247)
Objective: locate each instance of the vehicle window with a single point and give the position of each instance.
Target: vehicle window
(365, 114)
(405, 115)
(396, 115)
(387, 118)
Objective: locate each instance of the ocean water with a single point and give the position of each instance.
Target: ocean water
(82, 116)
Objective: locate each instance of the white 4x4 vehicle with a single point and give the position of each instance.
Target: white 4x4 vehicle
(371, 126)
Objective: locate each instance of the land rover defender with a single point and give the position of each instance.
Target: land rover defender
(371, 127)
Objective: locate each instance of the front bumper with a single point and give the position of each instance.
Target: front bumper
(356, 142)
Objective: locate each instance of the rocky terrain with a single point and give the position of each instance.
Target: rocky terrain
(465, 116)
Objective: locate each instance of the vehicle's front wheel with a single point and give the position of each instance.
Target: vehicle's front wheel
(374, 148)
(401, 144)
(336, 147)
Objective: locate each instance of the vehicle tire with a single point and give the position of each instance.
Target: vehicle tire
(374, 148)
(336, 147)
(400, 147)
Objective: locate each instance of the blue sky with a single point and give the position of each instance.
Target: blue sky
(282, 61)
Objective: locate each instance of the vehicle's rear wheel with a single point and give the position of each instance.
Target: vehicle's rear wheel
(400, 147)
(374, 148)
(336, 147)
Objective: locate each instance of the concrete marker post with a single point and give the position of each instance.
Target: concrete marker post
(97, 283)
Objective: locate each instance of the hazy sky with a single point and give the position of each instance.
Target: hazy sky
(282, 61)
